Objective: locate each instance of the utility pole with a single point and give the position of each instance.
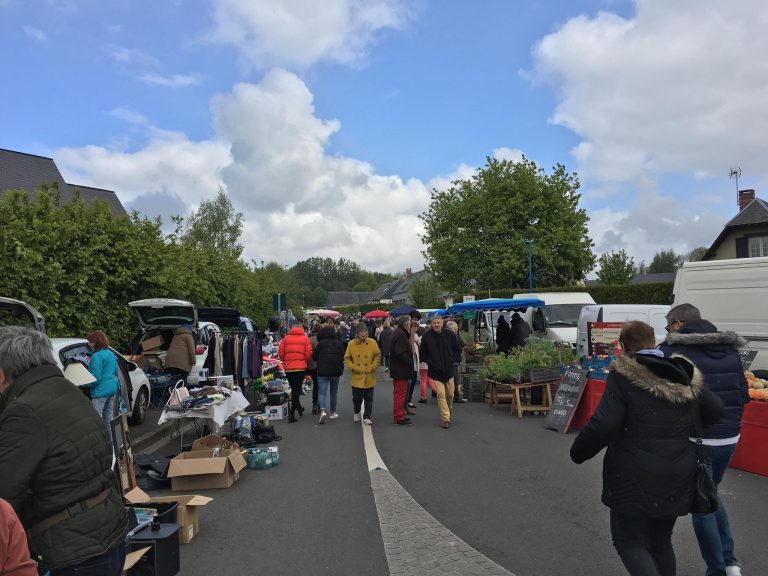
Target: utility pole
(736, 173)
(530, 268)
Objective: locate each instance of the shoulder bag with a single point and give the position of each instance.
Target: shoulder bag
(704, 489)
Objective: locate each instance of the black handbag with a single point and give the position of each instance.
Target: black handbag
(704, 489)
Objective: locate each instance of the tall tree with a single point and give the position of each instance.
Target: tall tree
(215, 226)
(696, 254)
(616, 268)
(474, 231)
(664, 261)
(424, 292)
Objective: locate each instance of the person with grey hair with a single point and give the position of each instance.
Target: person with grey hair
(716, 355)
(56, 460)
(401, 368)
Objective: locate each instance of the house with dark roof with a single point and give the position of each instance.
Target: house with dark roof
(22, 171)
(746, 234)
(346, 298)
(653, 278)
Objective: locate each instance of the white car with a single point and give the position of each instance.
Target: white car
(135, 395)
(161, 316)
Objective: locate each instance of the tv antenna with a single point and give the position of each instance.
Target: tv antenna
(736, 173)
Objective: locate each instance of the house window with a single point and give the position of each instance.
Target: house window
(758, 246)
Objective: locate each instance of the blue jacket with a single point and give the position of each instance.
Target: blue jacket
(103, 366)
(715, 355)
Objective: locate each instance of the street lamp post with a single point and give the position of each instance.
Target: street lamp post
(530, 268)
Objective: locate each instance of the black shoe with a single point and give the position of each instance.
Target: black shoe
(314, 409)
(409, 412)
(434, 394)
(461, 401)
(423, 401)
(300, 410)
(291, 420)
(404, 422)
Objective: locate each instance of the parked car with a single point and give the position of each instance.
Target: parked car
(227, 319)
(135, 396)
(161, 316)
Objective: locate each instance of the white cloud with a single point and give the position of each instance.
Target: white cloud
(173, 81)
(504, 153)
(35, 34)
(674, 88)
(132, 56)
(300, 33)
(128, 115)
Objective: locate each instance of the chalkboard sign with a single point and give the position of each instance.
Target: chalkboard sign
(747, 357)
(567, 398)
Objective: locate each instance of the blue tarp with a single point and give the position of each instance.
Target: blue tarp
(496, 304)
(436, 312)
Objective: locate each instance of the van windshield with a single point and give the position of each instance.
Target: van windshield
(562, 314)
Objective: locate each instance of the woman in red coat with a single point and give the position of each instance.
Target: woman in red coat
(295, 351)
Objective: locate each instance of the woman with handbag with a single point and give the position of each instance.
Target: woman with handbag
(646, 419)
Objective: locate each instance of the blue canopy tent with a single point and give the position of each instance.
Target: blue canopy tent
(495, 304)
(400, 310)
(436, 312)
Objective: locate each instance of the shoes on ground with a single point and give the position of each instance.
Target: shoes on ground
(323, 416)
(434, 394)
(446, 424)
(356, 418)
(409, 412)
(291, 420)
(411, 405)
(333, 415)
(733, 570)
(314, 409)
(423, 401)
(404, 422)
(367, 421)
(460, 401)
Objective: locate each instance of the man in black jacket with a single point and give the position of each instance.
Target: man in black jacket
(56, 462)
(438, 349)
(401, 367)
(716, 355)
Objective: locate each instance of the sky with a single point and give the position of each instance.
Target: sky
(329, 123)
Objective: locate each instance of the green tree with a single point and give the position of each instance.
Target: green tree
(215, 226)
(696, 254)
(665, 261)
(616, 268)
(424, 292)
(474, 231)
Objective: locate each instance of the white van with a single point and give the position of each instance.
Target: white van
(733, 295)
(653, 314)
(556, 321)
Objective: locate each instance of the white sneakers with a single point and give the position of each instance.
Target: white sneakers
(733, 570)
(323, 416)
(367, 421)
(356, 418)
(333, 415)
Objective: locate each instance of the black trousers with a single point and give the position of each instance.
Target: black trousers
(360, 394)
(295, 379)
(315, 387)
(645, 544)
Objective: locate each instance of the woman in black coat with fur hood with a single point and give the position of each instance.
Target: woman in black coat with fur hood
(645, 419)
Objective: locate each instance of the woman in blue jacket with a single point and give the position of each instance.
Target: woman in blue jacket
(103, 367)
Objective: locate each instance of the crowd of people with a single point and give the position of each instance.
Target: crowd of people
(413, 356)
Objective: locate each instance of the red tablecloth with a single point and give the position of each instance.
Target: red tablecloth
(751, 453)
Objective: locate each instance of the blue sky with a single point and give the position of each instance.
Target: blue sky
(328, 123)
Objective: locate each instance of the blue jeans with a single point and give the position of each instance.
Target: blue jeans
(106, 408)
(108, 564)
(323, 382)
(713, 530)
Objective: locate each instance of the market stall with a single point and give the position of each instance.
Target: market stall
(216, 403)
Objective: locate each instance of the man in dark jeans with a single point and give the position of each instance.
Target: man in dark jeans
(56, 459)
(715, 354)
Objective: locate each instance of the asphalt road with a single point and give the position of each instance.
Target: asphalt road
(505, 486)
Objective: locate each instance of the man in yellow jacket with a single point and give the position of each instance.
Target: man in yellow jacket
(361, 358)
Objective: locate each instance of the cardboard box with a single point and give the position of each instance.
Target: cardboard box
(212, 441)
(201, 470)
(152, 343)
(277, 412)
(186, 513)
(133, 558)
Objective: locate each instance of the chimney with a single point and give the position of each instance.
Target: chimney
(745, 197)
(408, 270)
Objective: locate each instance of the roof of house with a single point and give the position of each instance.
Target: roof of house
(22, 171)
(400, 292)
(346, 298)
(756, 212)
